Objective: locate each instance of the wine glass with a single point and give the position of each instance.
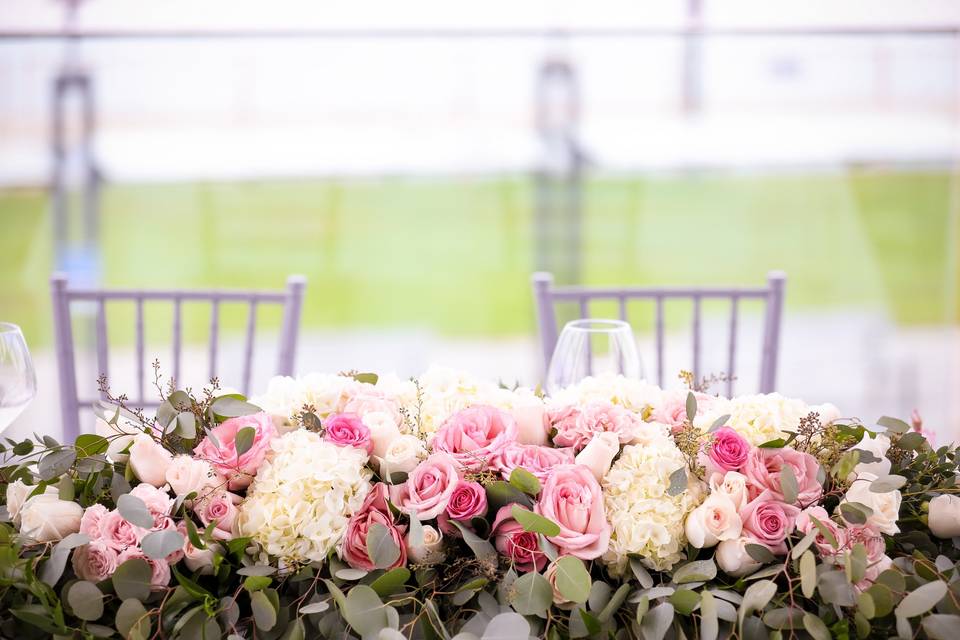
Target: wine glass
(18, 380)
(591, 348)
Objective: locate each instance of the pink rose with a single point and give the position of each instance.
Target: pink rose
(475, 435)
(157, 501)
(763, 467)
(468, 500)
(530, 415)
(673, 411)
(576, 426)
(221, 508)
(159, 569)
(239, 470)
(876, 548)
(522, 547)
(571, 497)
(428, 488)
(375, 510)
(91, 519)
(535, 459)
(805, 525)
(769, 521)
(347, 430)
(95, 561)
(373, 401)
(728, 451)
(118, 533)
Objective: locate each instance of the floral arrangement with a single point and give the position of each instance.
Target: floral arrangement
(448, 507)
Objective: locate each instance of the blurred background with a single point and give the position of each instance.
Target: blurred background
(418, 160)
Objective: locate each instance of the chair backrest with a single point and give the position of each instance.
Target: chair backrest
(291, 299)
(547, 295)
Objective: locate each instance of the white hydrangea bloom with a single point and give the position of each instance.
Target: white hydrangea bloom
(329, 393)
(445, 391)
(635, 395)
(299, 504)
(645, 519)
(758, 418)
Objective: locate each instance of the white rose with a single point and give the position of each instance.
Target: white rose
(383, 430)
(714, 520)
(944, 517)
(528, 412)
(47, 518)
(732, 557)
(199, 559)
(431, 551)
(886, 506)
(118, 437)
(599, 453)
(17, 493)
(878, 446)
(403, 455)
(733, 485)
(187, 474)
(149, 460)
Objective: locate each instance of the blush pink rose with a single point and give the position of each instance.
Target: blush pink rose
(373, 402)
(375, 510)
(468, 500)
(157, 501)
(576, 426)
(428, 488)
(769, 521)
(118, 533)
(763, 467)
(347, 430)
(673, 410)
(572, 498)
(475, 435)
(91, 519)
(805, 525)
(95, 561)
(728, 451)
(159, 569)
(533, 458)
(522, 547)
(239, 470)
(876, 548)
(221, 508)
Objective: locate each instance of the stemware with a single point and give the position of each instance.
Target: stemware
(18, 380)
(592, 348)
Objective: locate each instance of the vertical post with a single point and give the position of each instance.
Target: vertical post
(140, 358)
(732, 344)
(214, 335)
(289, 331)
(248, 350)
(659, 323)
(177, 339)
(103, 360)
(63, 338)
(696, 338)
(771, 331)
(546, 315)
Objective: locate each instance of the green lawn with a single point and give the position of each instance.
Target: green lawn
(455, 255)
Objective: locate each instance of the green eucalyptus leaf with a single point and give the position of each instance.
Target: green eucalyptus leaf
(719, 422)
(381, 548)
(788, 484)
(894, 425)
(56, 463)
(756, 597)
(855, 512)
(825, 532)
(709, 622)
(534, 522)
(678, 482)
(350, 574)
(507, 626)
(132, 619)
(815, 627)
(264, 613)
(391, 582)
(760, 553)
(685, 601)
(135, 511)
(482, 549)
(640, 572)
(314, 607)
(187, 425)
(784, 618)
(808, 574)
(691, 407)
(885, 484)
(835, 589)
(233, 407)
(922, 599)
(696, 571)
(657, 621)
(90, 444)
(525, 481)
(616, 601)
(132, 579)
(52, 569)
(364, 611)
(157, 545)
(244, 440)
(855, 563)
(941, 626)
(572, 579)
(531, 594)
(501, 494)
(86, 600)
(367, 378)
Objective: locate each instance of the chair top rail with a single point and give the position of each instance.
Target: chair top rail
(576, 292)
(158, 294)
